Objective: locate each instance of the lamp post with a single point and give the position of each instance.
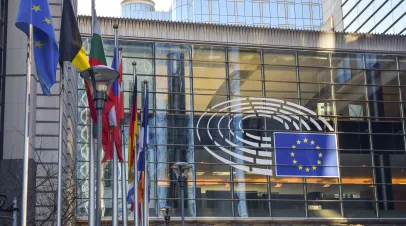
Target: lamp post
(181, 170)
(166, 211)
(100, 79)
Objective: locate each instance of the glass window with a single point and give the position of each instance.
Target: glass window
(215, 8)
(317, 59)
(244, 55)
(281, 10)
(298, 11)
(291, 10)
(278, 57)
(248, 8)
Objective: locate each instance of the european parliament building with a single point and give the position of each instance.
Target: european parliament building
(281, 126)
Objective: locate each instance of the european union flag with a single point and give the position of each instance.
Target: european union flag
(45, 46)
(306, 155)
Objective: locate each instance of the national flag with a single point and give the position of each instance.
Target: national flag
(132, 146)
(46, 53)
(70, 41)
(121, 91)
(306, 155)
(132, 134)
(97, 57)
(113, 114)
(72, 50)
(143, 143)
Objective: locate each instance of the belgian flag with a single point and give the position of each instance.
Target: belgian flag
(71, 49)
(70, 43)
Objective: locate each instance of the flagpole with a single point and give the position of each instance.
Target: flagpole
(91, 216)
(92, 186)
(115, 181)
(26, 131)
(61, 99)
(59, 189)
(135, 165)
(115, 161)
(123, 181)
(99, 184)
(123, 170)
(146, 189)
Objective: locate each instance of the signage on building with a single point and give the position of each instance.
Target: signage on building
(220, 129)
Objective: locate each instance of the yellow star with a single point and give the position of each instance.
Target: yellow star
(36, 8)
(312, 142)
(294, 161)
(317, 147)
(300, 167)
(318, 162)
(298, 141)
(314, 167)
(320, 155)
(293, 146)
(38, 44)
(292, 154)
(48, 21)
(305, 140)
(307, 169)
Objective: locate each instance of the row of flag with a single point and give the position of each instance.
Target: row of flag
(47, 55)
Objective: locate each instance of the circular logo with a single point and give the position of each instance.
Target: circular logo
(222, 127)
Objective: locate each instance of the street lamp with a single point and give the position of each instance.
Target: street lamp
(167, 211)
(100, 78)
(181, 170)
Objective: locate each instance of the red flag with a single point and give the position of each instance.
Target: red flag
(112, 108)
(121, 92)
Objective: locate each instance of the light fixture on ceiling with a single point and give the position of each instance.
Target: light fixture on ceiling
(278, 185)
(199, 173)
(221, 173)
(326, 185)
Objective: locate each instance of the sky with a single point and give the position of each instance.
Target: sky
(111, 8)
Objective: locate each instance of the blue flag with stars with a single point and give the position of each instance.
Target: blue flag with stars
(306, 155)
(46, 54)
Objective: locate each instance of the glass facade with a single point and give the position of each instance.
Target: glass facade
(358, 95)
(380, 16)
(143, 11)
(302, 14)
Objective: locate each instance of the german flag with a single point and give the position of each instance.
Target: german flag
(132, 135)
(70, 43)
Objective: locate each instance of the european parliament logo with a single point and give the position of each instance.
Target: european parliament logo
(306, 155)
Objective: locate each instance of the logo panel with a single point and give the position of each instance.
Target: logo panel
(220, 130)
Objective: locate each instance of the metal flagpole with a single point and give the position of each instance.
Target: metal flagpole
(26, 131)
(92, 188)
(123, 170)
(99, 145)
(146, 189)
(59, 190)
(115, 161)
(91, 217)
(115, 182)
(61, 99)
(123, 181)
(135, 165)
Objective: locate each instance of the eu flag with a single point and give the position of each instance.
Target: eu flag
(45, 46)
(306, 155)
